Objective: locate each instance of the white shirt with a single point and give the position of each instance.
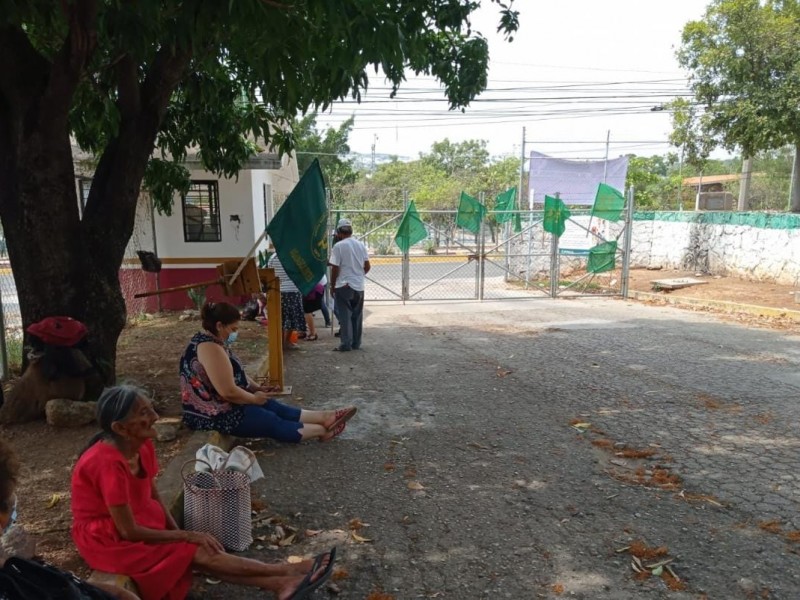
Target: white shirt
(350, 255)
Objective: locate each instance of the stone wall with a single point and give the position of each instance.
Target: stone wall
(758, 246)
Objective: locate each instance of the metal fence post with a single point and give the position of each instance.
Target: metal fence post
(481, 259)
(555, 266)
(626, 254)
(406, 265)
(3, 347)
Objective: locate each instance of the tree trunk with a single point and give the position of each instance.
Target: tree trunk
(794, 200)
(58, 271)
(62, 264)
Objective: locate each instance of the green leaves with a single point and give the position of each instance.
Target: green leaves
(742, 58)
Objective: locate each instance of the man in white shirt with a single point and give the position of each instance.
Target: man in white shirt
(349, 265)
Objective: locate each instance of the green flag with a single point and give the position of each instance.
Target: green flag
(411, 230)
(470, 213)
(299, 231)
(555, 216)
(504, 203)
(608, 203)
(602, 257)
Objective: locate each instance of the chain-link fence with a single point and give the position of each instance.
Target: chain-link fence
(11, 335)
(501, 261)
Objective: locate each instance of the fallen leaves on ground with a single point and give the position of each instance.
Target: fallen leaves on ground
(477, 446)
(773, 526)
(558, 589)
(54, 499)
(339, 574)
(380, 595)
(689, 497)
(415, 485)
(501, 372)
(649, 562)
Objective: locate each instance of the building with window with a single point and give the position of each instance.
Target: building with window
(217, 220)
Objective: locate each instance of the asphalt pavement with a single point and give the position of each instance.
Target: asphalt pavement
(526, 449)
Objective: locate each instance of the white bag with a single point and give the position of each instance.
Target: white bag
(239, 459)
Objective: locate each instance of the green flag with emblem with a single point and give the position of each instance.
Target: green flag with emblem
(504, 204)
(555, 216)
(299, 231)
(602, 257)
(470, 213)
(609, 203)
(411, 230)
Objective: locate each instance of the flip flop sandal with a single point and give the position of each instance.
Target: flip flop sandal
(343, 415)
(307, 586)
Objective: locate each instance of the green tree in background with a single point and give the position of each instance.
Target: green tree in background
(331, 147)
(744, 64)
(137, 83)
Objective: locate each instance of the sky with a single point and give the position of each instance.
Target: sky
(578, 72)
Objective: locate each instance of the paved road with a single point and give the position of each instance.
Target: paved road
(474, 402)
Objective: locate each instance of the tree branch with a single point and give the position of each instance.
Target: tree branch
(21, 69)
(71, 59)
(274, 4)
(128, 85)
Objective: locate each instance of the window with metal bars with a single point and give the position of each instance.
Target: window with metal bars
(84, 185)
(201, 222)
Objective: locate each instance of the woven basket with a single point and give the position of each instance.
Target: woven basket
(218, 502)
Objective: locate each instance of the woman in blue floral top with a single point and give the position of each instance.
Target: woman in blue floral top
(217, 394)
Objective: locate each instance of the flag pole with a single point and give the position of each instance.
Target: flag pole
(605, 176)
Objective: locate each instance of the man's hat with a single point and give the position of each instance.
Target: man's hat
(344, 224)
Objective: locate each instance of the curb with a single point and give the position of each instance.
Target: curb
(722, 305)
(170, 482)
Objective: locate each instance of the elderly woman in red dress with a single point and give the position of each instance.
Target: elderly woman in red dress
(120, 524)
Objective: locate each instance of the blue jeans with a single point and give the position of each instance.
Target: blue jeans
(325, 313)
(273, 420)
(349, 308)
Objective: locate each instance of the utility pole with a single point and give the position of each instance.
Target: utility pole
(374, 145)
(744, 186)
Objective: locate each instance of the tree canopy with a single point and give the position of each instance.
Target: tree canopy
(138, 84)
(744, 64)
(331, 147)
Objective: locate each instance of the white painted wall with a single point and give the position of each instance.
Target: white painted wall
(235, 198)
(739, 250)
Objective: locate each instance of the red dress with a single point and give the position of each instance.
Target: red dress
(103, 478)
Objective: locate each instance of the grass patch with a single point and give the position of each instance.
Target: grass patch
(14, 351)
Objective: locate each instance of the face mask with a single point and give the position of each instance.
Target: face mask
(12, 519)
(232, 336)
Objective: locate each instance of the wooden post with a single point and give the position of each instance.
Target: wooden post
(274, 373)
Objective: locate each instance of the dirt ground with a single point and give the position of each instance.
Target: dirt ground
(729, 289)
(148, 353)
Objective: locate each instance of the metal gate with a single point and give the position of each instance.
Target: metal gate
(516, 259)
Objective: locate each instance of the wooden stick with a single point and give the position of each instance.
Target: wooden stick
(246, 258)
(178, 288)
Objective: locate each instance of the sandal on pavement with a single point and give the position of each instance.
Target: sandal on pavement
(343, 415)
(312, 338)
(307, 586)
